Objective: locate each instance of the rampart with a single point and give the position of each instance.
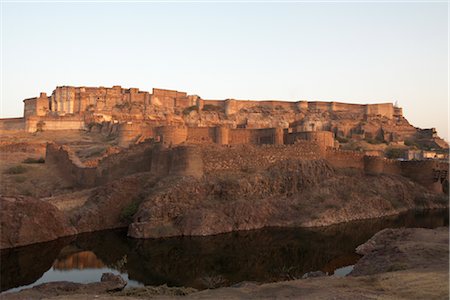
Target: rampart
(162, 160)
(36, 123)
(345, 158)
(12, 124)
(144, 157)
(247, 158)
(77, 100)
(69, 165)
(325, 139)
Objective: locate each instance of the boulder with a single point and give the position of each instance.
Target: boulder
(26, 220)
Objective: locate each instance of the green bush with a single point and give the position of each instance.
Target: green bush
(31, 160)
(395, 153)
(210, 107)
(129, 211)
(16, 170)
(40, 126)
(342, 139)
(375, 141)
(20, 179)
(188, 110)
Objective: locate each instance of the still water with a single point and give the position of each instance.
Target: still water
(201, 262)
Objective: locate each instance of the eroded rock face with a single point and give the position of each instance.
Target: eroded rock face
(289, 193)
(393, 250)
(25, 220)
(106, 207)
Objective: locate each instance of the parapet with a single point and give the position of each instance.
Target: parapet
(383, 109)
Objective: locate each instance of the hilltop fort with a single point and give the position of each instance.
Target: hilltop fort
(166, 163)
(174, 117)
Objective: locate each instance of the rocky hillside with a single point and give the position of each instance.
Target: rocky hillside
(290, 193)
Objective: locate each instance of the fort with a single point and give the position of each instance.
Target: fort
(167, 164)
(175, 117)
(179, 123)
(80, 107)
(305, 130)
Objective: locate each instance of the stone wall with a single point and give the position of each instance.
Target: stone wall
(345, 159)
(136, 159)
(34, 123)
(431, 174)
(248, 157)
(181, 160)
(171, 98)
(171, 135)
(12, 124)
(131, 133)
(201, 135)
(70, 166)
(383, 109)
(144, 157)
(324, 139)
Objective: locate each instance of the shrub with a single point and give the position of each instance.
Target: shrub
(342, 139)
(40, 126)
(20, 179)
(129, 211)
(395, 153)
(210, 107)
(31, 160)
(188, 110)
(16, 170)
(124, 105)
(375, 141)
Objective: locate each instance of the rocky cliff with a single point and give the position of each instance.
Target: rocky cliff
(289, 193)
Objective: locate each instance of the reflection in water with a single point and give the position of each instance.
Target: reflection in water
(201, 262)
(80, 260)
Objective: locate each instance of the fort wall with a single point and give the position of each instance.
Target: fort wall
(70, 166)
(34, 123)
(383, 109)
(12, 124)
(325, 139)
(137, 159)
(171, 135)
(201, 135)
(190, 160)
(246, 158)
(429, 173)
(345, 158)
(132, 133)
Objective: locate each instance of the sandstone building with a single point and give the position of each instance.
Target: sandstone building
(175, 117)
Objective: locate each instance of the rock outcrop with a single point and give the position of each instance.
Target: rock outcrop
(108, 283)
(400, 249)
(25, 220)
(289, 193)
(107, 206)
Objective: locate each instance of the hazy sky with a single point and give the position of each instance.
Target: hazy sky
(349, 52)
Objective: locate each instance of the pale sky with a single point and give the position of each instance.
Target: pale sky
(347, 52)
